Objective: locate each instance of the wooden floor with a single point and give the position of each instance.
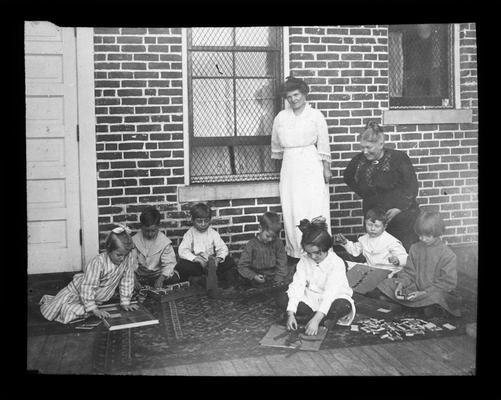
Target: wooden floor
(71, 354)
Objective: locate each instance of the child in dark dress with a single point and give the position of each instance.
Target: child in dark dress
(429, 278)
(264, 258)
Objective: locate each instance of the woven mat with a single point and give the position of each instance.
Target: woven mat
(198, 329)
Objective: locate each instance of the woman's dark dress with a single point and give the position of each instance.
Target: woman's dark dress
(388, 183)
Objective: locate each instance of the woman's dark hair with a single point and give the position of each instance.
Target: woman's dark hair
(315, 233)
(270, 221)
(372, 132)
(376, 214)
(292, 84)
(200, 210)
(429, 223)
(117, 240)
(150, 216)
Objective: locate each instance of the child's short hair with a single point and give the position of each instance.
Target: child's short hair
(429, 223)
(315, 234)
(150, 216)
(270, 221)
(376, 214)
(200, 210)
(117, 240)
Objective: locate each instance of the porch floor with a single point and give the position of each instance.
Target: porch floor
(456, 355)
(72, 354)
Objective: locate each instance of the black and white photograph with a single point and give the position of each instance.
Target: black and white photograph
(252, 199)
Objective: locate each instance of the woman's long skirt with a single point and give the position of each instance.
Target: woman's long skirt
(303, 193)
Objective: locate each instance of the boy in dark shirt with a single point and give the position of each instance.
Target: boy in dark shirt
(264, 259)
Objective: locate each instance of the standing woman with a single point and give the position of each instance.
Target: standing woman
(300, 146)
(385, 178)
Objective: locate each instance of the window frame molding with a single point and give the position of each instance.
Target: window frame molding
(220, 191)
(435, 115)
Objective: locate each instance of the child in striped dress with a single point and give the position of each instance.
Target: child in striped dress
(103, 274)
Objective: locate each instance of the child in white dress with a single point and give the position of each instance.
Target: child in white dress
(104, 273)
(379, 248)
(319, 292)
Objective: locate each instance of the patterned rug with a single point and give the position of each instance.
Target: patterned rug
(198, 329)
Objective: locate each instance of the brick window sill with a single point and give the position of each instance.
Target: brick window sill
(396, 117)
(227, 191)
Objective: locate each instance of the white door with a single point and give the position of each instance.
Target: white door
(52, 181)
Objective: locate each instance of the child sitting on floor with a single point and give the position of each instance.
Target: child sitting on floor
(81, 297)
(264, 258)
(202, 252)
(155, 255)
(429, 278)
(379, 248)
(319, 291)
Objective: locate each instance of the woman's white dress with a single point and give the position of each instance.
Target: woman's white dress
(302, 142)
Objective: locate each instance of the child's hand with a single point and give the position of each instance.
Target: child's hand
(394, 260)
(311, 327)
(340, 239)
(398, 291)
(201, 261)
(291, 322)
(413, 296)
(159, 282)
(259, 278)
(130, 307)
(100, 313)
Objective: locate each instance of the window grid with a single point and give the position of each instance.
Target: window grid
(240, 151)
(420, 102)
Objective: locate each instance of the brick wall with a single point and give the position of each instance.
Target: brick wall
(347, 69)
(139, 134)
(138, 79)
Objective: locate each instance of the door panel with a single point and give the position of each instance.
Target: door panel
(52, 179)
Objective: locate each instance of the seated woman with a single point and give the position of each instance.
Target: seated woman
(385, 178)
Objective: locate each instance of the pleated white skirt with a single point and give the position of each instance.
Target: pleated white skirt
(303, 193)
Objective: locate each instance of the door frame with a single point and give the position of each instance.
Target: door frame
(87, 143)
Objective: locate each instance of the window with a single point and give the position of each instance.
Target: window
(421, 66)
(233, 78)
